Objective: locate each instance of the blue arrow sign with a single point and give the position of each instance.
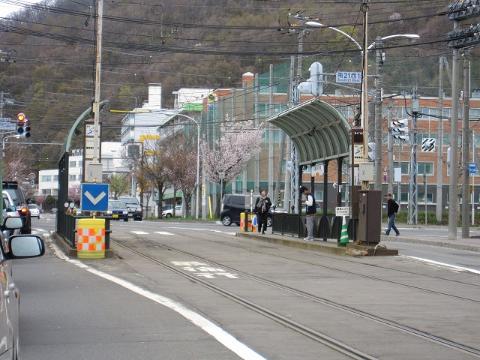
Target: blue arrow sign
(472, 168)
(94, 197)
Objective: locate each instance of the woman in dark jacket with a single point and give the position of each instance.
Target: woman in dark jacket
(262, 206)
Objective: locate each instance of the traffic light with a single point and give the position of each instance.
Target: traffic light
(21, 119)
(26, 129)
(400, 129)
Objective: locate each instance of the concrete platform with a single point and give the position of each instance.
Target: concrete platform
(329, 246)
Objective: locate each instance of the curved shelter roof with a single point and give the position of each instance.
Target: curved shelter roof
(318, 130)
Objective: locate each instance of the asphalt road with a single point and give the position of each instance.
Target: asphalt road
(274, 302)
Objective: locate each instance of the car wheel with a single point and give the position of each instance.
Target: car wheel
(168, 215)
(226, 220)
(269, 222)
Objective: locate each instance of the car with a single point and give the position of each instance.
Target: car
(117, 210)
(233, 205)
(34, 210)
(19, 247)
(133, 206)
(16, 197)
(168, 211)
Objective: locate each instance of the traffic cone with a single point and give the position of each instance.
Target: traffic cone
(344, 233)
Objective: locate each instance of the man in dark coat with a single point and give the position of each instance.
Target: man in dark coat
(392, 209)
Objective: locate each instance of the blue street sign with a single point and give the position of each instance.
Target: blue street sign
(94, 197)
(472, 168)
(348, 77)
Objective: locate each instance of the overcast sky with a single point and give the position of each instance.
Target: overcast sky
(7, 9)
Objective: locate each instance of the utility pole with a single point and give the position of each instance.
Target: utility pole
(439, 206)
(452, 194)
(378, 113)
(364, 100)
(96, 103)
(473, 178)
(272, 191)
(466, 146)
(390, 155)
(413, 186)
(287, 193)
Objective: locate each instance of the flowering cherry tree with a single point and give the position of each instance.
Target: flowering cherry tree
(231, 153)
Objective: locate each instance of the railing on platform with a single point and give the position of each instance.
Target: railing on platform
(326, 227)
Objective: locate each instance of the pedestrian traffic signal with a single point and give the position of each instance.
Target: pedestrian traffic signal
(399, 129)
(371, 151)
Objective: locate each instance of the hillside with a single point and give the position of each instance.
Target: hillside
(192, 43)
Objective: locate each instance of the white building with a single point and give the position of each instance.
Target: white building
(190, 99)
(142, 123)
(112, 163)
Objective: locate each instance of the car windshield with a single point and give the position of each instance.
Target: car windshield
(32, 206)
(16, 196)
(116, 205)
(130, 201)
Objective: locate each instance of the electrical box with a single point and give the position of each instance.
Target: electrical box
(369, 216)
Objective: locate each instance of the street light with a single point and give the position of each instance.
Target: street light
(378, 45)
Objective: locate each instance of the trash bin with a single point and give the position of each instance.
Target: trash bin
(243, 222)
(90, 238)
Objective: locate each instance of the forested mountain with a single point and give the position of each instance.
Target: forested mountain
(191, 43)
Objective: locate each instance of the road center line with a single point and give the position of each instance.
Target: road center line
(164, 233)
(139, 232)
(223, 337)
(438, 263)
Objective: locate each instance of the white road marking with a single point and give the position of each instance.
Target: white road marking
(34, 232)
(204, 270)
(139, 232)
(223, 337)
(164, 233)
(438, 263)
(201, 229)
(39, 230)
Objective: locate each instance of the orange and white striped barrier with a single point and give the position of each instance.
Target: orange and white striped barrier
(91, 238)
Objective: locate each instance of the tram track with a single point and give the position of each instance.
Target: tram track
(325, 339)
(315, 335)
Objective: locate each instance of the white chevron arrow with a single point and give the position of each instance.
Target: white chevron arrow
(95, 200)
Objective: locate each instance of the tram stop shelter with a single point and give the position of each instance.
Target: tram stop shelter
(321, 134)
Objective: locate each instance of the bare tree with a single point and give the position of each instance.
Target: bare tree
(181, 166)
(154, 165)
(118, 185)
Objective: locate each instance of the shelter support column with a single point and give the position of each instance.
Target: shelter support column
(325, 188)
(299, 196)
(339, 181)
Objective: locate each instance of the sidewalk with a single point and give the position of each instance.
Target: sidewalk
(434, 235)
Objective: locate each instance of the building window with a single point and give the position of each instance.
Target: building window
(72, 177)
(46, 178)
(422, 167)
(55, 177)
(73, 164)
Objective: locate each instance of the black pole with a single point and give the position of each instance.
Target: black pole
(339, 181)
(299, 197)
(312, 181)
(325, 188)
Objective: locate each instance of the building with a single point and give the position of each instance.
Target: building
(260, 98)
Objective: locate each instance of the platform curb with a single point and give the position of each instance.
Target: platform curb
(320, 246)
(391, 239)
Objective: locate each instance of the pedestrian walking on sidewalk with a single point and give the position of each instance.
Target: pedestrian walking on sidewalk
(262, 207)
(311, 210)
(392, 209)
